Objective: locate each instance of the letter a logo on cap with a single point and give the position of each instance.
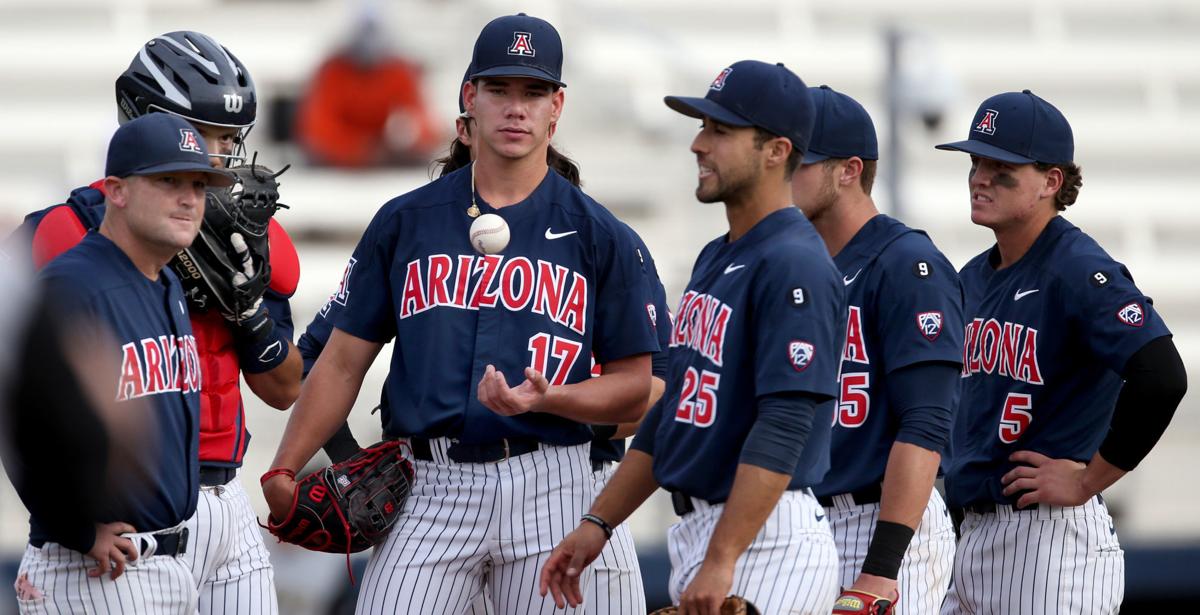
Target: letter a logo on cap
(522, 45)
(187, 141)
(719, 83)
(987, 125)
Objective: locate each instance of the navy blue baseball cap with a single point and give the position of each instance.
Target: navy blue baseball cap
(843, 128)
(1018, 128)
(753, 93)
(160, 143)
(518, 46)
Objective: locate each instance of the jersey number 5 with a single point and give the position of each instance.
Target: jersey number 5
(698, 402)
(854, 402)
(1015, 417)
(543, 345)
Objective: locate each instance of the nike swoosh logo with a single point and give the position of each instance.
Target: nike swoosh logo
(850, 280)
(552, 235)
(820, 517)
(1019, 294)
(731, 268)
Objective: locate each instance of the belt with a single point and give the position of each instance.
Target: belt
(171, 543)
(871, 494)
(476, 453)
(682, 503)
(213, 476)
(599, 464)
(988, 507)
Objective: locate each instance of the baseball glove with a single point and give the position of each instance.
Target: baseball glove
(733, 605)
(227, 267)
(855, 602)
(349, 506)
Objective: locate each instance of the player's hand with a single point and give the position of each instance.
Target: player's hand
(497, 396)
(880, 586)
(1058, 482)
(707, 590)
(112, 550)
(561, 573)
(280, 493)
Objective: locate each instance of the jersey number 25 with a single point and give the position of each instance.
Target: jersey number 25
(698, 401)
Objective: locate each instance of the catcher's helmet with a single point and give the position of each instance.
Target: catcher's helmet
(190, 75)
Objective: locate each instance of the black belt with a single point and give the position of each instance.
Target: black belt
(987, 508)
(213, 476)
(476, 453)
(682, 503)
(170, 543)
(871, 494)
(599, 464)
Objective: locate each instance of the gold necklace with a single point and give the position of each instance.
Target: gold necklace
(473, 210)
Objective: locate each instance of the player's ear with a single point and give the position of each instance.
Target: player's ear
(556, 105)
(1053, 182)
(778, 150)
(116, 191)
(468, 95)
(852, 169)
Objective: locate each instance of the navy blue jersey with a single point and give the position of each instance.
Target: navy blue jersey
(904, 307)
(1046, 341)
(761, 315)
(97, 285)
(569, 282)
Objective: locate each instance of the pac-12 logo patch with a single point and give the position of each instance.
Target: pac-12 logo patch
(1132, 314)
(652, 312)
(522, 45)
(930, 324)
(801, 354)
(187, 141)
(987, 124)
(718, 84)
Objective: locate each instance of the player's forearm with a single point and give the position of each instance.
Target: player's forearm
(617, 396)
(1100, 475)
(629, 487)
(755, 494)
(280, 386)
(627, 430)
(326, 398)
(907, 483)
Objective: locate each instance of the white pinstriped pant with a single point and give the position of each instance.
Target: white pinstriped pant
(156, 584)
(467, 522)
(791, 567)
(227, 556)
(925, 572)
(617, 588)
(1055, 560)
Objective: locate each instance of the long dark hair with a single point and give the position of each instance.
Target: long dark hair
(459, 156)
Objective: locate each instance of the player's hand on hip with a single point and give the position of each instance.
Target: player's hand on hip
(280, 493)
(497, 396)
(112, 550)
(561, 572)
(1045, 480)
(707, 590)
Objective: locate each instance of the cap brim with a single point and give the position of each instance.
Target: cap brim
(703, 107)
(985, 150)
(518, 71)
(217, 177)
(811, 157)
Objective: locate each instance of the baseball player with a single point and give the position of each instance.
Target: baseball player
(115, 282)
(501, 471)
(1069, 378)
(899, 374)
(743, 430)
(189, 75)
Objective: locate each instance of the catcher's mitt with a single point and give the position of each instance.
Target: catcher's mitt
(218, 271)
(733, 605)
(349, 506)
(855, 602)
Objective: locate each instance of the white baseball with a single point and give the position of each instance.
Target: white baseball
(489, 234)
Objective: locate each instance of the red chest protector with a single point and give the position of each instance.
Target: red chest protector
(223, 435)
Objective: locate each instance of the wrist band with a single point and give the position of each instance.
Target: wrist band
(886, 551)
(608, 529)
(276, 472)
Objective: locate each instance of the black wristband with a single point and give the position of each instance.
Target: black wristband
(259, 344)
(608, 529)
(887, 549)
